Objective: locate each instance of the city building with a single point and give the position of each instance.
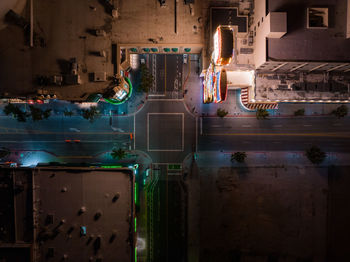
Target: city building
(58, 213)
(302, 36)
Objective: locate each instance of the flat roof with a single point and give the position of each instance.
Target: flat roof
(303, 44)
(227, 16)
(70, 198)
(16, 205)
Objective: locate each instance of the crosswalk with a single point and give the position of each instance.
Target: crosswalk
(255, 105)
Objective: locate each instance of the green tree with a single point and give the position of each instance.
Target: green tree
(9, 109)
(36, 113)
(4, 152)
(68, 112)
(239, 157)
(91, 114)
(20, 115)
(46, 113)
(315, 155)
(221, 112)
(147, 79)
(341, 111)
(299, 112)
(262, 114)
(118, 153)
(16, 112)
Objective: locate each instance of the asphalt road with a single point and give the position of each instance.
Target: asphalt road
(169, 121)
(167, 70)
(155, 122)
(50, 135)
(167, 217)
(274, 134)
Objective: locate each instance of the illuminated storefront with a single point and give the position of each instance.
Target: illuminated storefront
(215, 79)
(220, 86)
(208, 85)
(223, 45)
(121, 92)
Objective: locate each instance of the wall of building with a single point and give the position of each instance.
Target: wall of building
(261, 30)
(348, 20)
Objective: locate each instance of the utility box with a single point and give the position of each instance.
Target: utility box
(100, 76)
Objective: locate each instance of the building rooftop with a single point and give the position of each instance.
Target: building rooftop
(79, 213)
(85, 213)
(303, 44)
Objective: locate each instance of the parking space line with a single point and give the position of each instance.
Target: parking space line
(134, 133)
(196, 134)
(147, 131)
(183, 131)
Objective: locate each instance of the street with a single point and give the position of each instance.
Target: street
(274, 134)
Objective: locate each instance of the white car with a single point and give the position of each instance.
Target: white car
(185, 57)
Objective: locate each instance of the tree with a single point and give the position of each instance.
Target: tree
(239, 157)
(16, 112)
(36, 113)
(4, 152)
(118, 153)
(20, 115)
(341, 111)
(315, 155)
(9, 109)
(221, 112)
(147, 79)
(299, 112)
(67, 112)
(262, 114)
(91, 114)
(46, 113)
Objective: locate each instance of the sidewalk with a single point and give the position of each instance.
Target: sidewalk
(33, 157)
(131, 106)
(193, 99)
(272, 158)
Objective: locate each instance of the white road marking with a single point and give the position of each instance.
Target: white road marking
(277, 126)
(337, 125)
(134, 136)
(196, 134)
(246, 125)
(117, 129)
(73, 129)
(307, 125)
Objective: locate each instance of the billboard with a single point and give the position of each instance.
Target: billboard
(208, 85)
(220, 86)
(215, 85)
(223, 45)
